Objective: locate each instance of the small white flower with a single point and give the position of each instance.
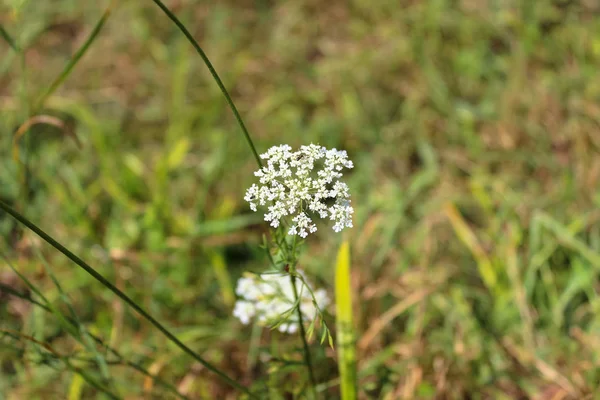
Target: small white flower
(298, 184)
(268, 297)
(244, 311)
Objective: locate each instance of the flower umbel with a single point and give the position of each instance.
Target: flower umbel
(303, 184)
(270, 298)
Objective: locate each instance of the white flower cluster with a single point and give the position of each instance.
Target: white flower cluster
(299, 184)
(267, 297)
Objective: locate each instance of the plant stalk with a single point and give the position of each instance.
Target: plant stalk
(307, 357)
(123, 297)
(214, 74)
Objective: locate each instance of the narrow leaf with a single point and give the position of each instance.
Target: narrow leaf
(11, 42)
(214, 74)
(87, 268)
(76, 387)
(345, 331)
(468, 238)
(71, 64)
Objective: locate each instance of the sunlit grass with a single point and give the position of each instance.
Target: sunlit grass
(489, 110)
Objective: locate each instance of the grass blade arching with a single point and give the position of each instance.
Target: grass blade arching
(11, 42)
(469, 239)
(214, 74)
(71, 64)
(65, 359)
(123, 297)
(9, 290)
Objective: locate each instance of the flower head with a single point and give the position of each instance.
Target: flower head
(269, 297)
(303, 184)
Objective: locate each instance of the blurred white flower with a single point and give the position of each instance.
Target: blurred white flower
(268, 297)
(300, 184)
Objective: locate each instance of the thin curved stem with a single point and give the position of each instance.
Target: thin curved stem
(121, 360)
(214, 74)
(11, 42)
(71, 64)
(89, 379)
(123, 296)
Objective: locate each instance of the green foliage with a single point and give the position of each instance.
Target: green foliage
(345, 330)
(476, 246)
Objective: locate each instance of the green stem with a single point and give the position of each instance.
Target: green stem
(214, 74)
(71, 64)
(307, 357)
(121, 360)
(294, 261)
(46, 346)
(123, 296)
(11, 42)
(89, 379)
(25, 168)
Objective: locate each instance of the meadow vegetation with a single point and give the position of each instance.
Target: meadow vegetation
(474, 128)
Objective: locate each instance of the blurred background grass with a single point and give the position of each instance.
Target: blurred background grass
(474, 128)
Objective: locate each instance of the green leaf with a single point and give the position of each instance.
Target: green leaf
(310, 330)
(91, 271)
(71, 64)
(345, 331)
(178, 153)
(76, 387)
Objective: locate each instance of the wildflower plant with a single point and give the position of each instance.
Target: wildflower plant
(295, 189)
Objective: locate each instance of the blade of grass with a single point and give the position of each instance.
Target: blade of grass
(87, 378)
(512, 268)
(16, 293)
(76, 387)
(11, 42)
(26, 170)
(581, 279)
(539, 253)
(567, 238)
(368, 368)
(345, 331)
(121, 360)
(387, 317)
(31, 286)
(123, 297)
(38, 119)
(71, 64)
(468, 238)
(83, 336)
(72, 329)
(214, 74)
